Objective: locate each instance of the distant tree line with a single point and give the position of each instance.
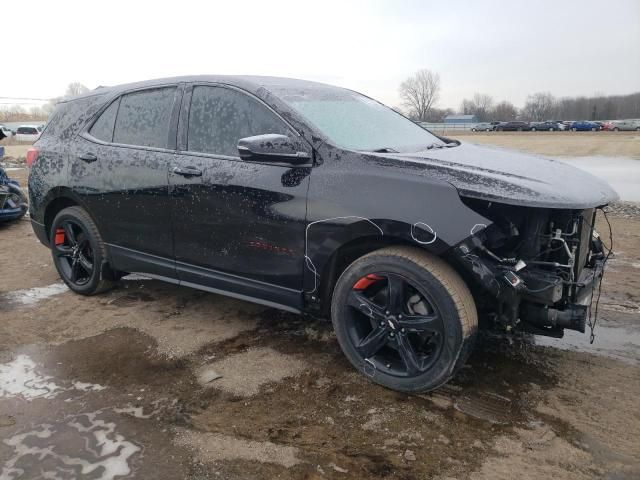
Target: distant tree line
(38, 113)
(420, 93)
(544, 106)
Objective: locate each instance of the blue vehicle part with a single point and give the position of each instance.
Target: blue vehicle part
(13, 201)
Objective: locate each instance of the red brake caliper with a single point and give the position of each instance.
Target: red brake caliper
(59, 240)
(366, 282)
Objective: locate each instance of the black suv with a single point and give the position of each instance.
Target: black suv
(316, 199)
(548, 126)
(513, 126)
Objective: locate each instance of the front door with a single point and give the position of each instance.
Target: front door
(238, 226)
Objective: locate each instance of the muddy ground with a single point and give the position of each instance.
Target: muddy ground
(155, 381)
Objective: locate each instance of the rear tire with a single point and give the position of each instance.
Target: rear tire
(78, 251)
(404, 318)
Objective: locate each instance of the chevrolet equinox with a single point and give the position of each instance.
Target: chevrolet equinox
(317, 199)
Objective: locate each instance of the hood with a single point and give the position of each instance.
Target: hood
(508, 176)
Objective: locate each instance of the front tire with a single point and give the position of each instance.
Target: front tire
(78, 251)
(404, 318)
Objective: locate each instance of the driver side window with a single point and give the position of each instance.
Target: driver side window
(219, 117)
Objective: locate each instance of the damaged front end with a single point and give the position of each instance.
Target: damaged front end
(533, 269)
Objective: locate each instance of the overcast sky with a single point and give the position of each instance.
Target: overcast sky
(507, 49)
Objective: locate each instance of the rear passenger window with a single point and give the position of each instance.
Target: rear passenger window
(219, 117)
(103, 128)
(143, 118)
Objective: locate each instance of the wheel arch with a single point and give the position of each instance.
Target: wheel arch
(343, 256)
(61, 199)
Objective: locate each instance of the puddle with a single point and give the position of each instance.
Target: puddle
(31, 296)
(620, 343)
(80, 446)
(21, 378)
(130, 298)
(622, 173)
(100, 408)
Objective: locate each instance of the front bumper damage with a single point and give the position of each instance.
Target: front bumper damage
(539, 297)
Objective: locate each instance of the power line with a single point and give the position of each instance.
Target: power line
(26, 98)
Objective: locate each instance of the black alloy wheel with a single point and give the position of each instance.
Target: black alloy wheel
(73, 251)
(404, 318)
(78, 251)
(394, 325)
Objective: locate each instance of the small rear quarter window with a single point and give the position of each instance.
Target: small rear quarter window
(103, 128)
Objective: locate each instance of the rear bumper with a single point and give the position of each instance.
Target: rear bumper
(40, 231)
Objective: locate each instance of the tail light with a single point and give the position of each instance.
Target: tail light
(32, 155)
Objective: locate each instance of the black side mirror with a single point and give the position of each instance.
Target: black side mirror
(272, 148)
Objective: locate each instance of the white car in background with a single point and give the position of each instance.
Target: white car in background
(28, 133)
(625, 125)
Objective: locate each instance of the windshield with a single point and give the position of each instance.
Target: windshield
(355, 122)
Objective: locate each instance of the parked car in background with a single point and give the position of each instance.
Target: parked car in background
(583, 126)
(28, 133)
(598, 123)
(625, 125)
(483, 127)
(513, 126)
(548, 126)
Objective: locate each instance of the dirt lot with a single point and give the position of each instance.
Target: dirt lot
(573, 144)
(156, 381)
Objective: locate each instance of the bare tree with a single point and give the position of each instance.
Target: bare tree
(480, 106)
(504, 111)
(75, 88)
(420, 93)
(540, 106)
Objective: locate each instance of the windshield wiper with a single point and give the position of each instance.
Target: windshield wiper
(440, 145)
(385, 150)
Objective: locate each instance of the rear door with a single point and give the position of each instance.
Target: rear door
(238, 226)
(119, 170)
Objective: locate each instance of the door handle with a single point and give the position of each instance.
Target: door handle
(187, 171)
(88, 157)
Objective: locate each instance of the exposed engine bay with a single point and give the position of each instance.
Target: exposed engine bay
(533, 269)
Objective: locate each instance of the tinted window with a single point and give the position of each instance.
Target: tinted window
(219, 117)
(143, 118)
(103, 128)
(27, 130)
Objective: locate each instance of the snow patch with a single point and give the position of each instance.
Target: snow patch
(31, 296)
